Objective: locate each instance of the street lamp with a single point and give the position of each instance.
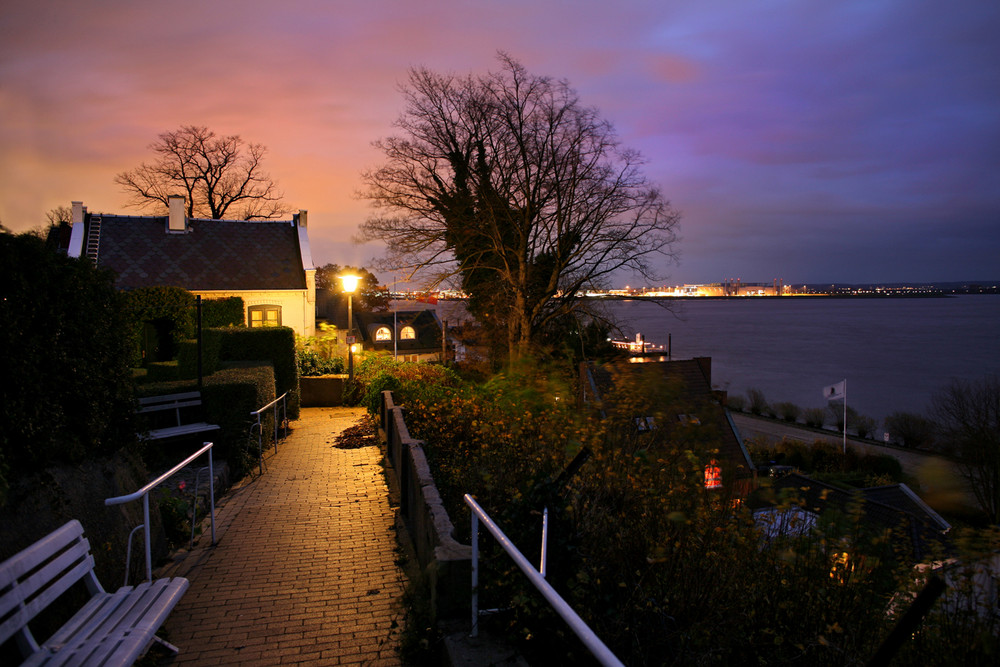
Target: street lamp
(350, 284)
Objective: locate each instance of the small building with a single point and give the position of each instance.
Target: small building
(412, 335)
(705, 407)
(266, 263)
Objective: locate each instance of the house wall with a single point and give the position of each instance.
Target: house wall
(298, 307)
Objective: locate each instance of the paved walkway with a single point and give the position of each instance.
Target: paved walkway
(305, 567)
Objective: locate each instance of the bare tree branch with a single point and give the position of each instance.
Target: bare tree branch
(523, 190)
(216, 175)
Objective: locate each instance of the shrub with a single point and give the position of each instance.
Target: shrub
(910, 430)
(311, 364)
(171, 310)
(787, 411)
(757, 404)
(864, 426)
(229, 396)
(226, 312)
(272, 344)
(736, 402)
(814, 417)
(67, 391)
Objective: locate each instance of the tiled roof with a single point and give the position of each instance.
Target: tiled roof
(695, 376)
(879, 509)
(213, 255)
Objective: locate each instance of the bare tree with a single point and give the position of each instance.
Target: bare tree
(214, 174)
(510, 183)
(969, 415)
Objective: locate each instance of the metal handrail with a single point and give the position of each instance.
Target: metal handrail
(144, 494)
(597, 648)
(260, 427)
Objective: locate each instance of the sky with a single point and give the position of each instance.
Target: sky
(810, 141)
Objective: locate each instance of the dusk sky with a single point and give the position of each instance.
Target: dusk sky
(811, 141)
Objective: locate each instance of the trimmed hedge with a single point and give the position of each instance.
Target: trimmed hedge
(187, 355)
(229, 396)
(273, 344)
(226, 312)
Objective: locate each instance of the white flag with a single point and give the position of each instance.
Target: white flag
(835, 391)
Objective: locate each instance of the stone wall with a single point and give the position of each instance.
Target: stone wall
(446, 562)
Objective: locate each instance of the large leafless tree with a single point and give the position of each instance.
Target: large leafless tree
(218, 176)
(969, 415)
(509, 182)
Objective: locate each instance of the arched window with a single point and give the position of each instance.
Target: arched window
(264, 316)
(407, 333)
(383, 333)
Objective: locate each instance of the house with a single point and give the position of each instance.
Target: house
(266, 263)
(919, 531)
(412, 335)
(705, 407)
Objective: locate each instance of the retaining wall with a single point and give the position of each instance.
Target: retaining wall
(446, 562)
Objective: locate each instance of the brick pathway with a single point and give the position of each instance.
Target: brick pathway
(305, 570)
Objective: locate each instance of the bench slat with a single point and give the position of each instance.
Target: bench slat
(169, 406)
(109, 629)
(170, 398)
(185, 429)
(115, 628)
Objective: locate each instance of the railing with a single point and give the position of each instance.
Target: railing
(576, 624)
(144, 494)
(260, 427)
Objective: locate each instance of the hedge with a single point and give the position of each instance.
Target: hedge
(66, 393)
(273, 344)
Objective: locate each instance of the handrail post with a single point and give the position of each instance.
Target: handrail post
(543, 565)
(475, 576)
(211, 492)
(145, 521)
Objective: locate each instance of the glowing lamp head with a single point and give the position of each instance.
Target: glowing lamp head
(350, 283)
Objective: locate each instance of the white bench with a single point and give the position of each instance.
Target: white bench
(177, 403)
(109, 629)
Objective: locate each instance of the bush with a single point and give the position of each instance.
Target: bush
(910, 430)
(814, 417)
(226, 312)
(757, 404)
(736, 402)
(67, 391)
(272, 344)
(864, 426)
(171, 309)
(787, 411)
(187, 355)
(312, 364)
(229, 396)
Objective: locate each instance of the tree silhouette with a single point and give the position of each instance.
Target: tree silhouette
(214, 174)
(509, 183)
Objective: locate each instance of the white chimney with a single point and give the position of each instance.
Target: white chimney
(177, 222)
(303, 218)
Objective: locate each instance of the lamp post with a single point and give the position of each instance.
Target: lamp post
(350, 284)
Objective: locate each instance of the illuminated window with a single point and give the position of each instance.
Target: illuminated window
(264, 316)
(383, 333)
(713, 475)
(408, 333)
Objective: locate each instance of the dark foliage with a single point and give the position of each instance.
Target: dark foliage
(67, 390)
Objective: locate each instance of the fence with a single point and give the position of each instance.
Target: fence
(256, 414)
(143, 493)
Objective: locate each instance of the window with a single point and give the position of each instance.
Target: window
(264, 316)
(713, 475)
(408, 333)
(644, 424)
(383, 333)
